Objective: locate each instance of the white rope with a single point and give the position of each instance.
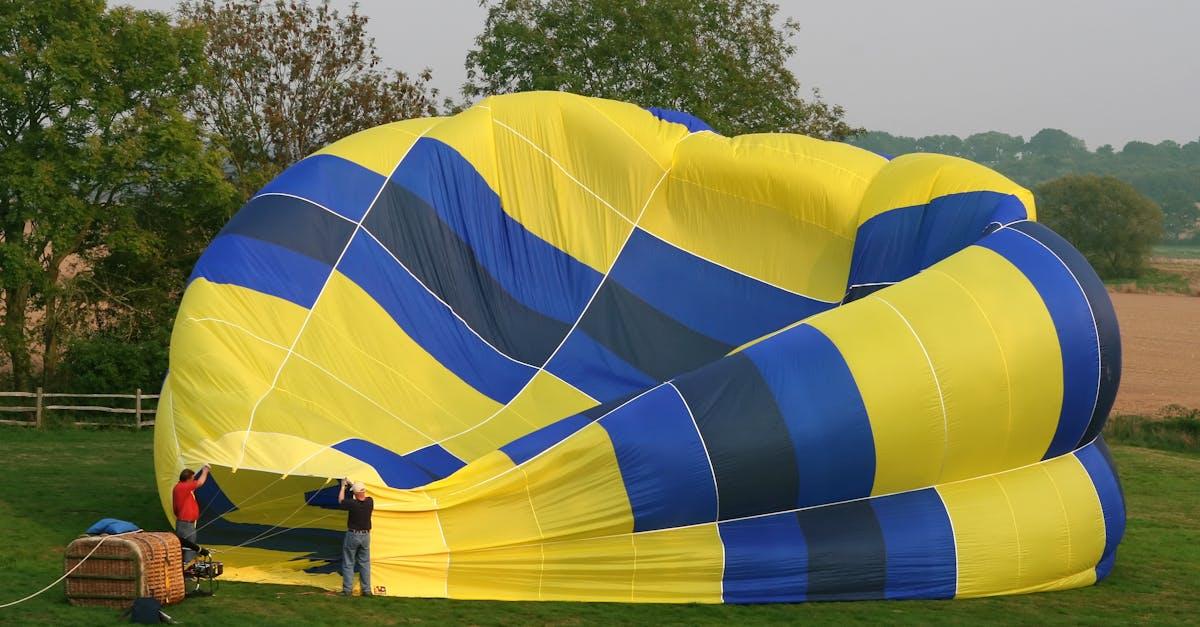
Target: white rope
(68, 573)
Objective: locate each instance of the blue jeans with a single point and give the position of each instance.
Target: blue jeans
(356, 549)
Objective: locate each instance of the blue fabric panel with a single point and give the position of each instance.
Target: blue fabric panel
(292, 223)
(662, 461)
(897, 244)
(526, 447)
(752, 453)
(598, 372)
(430, 323)
(333, 182)
(692, 122)
(824, 414)
(1102, 311)
(263, 267)
(921, 560)
(846, 554)
(766, 560)
(213, 501)
(533, 271)
(720, 303)
(414, 233)
(435, 460)
(397, 471)
(644, 337)
(1072, 320)
(1098, 462)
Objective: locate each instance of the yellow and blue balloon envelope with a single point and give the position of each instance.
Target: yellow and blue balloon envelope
(582, 350)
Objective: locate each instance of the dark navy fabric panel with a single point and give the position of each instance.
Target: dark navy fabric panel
(746, 437)
(692, 122)
(1072, 321)
(412, 230)
(847, 560)
(721, 304)
(896, 244)
(527, 446)
(921, 559)
(430, 323)
(1104, 314)
(824, 414)
(436, 461)
(644, 337)
(292, 223)
(533, 271)
(262, 267)
(766, 560)
(598, 372)
(1097, 460)
(395, 470)
(212, 501)
(333, 182)
(662, 461)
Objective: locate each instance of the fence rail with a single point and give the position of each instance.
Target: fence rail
(40, 407)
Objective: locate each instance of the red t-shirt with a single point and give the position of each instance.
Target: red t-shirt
(184, 502)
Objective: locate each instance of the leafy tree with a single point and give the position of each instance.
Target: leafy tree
(1105, 218)
(290, 77)
(721, 60)
(97, 164)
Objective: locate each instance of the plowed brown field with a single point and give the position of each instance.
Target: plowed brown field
(1160, 339)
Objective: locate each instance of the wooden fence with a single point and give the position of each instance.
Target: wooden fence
(44, 402)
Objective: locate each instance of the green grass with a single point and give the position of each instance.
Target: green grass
(1176, 429)
(54, 484)
(1153, 280)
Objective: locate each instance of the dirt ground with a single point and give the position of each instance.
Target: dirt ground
(1160, 339)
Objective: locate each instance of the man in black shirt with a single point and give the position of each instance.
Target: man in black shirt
(356, 548)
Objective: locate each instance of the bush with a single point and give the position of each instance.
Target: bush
(1177, 428)
(1112, 224)
(109, 364)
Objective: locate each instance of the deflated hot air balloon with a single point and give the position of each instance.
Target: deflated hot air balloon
(581, 350)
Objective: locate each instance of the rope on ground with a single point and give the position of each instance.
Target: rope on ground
(68, 573)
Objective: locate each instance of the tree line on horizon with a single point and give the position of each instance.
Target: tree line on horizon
(1167, 173)
(129, 138)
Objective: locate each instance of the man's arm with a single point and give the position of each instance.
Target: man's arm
(203, 476)
(342, 492)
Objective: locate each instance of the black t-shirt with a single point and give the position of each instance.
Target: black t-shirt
(360, 513)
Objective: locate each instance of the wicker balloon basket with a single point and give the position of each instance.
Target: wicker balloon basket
(124, 568)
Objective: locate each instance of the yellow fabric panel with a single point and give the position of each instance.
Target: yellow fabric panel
(916, 179)
(898, 390)
(226, 346)
(254, 565)
(678, 565)
(167, 454)
(1019, 531)
(472, 134)
(544, 400)
(490, 512)
(409, 554)
(510, 573)
(351, 337)
(576, 487)
(1018, 320)
(600, 569)
(779, 208)
(379, 149)
(580, 196)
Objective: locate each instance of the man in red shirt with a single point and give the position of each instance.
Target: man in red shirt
(183, 501)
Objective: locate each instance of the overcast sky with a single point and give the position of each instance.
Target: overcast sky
(1105, 70)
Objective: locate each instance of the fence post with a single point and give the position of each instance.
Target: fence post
(37, 411)
(137, 408)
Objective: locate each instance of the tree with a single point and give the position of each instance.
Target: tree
(97, 163)
(1105, 218)
(721, 60)
(290, 77)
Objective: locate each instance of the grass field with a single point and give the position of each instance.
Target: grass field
(54, 484)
